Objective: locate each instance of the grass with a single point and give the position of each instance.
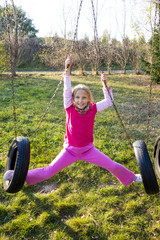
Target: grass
(83, 201)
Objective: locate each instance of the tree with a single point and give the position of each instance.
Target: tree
(122, 53)
(107, 50)
(28, 54)
(93, 57)
(152, 64)
(24, 24)
(82, 53)
(15, 28)
(11, 37)
(138, 50)
(156, 57)
(53, 52)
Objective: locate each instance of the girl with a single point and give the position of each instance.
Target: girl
(78, 141)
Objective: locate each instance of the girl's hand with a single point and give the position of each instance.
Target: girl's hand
(104, 79)
(68, 62)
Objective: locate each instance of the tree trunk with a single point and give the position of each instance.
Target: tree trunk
(13, 68)
(80, 70)
(109, 69)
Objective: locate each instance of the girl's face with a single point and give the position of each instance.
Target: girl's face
(81, 99)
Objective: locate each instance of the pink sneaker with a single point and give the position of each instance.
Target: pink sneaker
(8, 175)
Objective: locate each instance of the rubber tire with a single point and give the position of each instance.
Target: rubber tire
(157, 156)
(145, 167)
(18, 160)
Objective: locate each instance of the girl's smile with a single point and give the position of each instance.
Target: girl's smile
(81, 99)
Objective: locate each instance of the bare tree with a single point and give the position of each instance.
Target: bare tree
(121, 53)
(52, 52)
(107, 50)
(138, 49)
(82, 54)
(16, 28)
(92, 57)
(12, 38)
(65, 15)
(28, 52)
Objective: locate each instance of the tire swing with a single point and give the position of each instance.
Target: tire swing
(17, 160)
(18, 157)
(19, 153)
(143, 160)
(145, 166)
(157, 156)
(140, 149)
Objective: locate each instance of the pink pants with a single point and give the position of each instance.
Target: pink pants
(71, 154)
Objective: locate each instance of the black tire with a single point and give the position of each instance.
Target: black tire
(157, 156)
(145, 167)
(17, 160)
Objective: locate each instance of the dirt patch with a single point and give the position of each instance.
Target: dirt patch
(48, 188)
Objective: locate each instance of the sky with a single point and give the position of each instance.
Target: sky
(113, 16)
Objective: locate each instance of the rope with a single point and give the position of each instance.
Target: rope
(98, 51)
(76, 28)
(14, 107)
(59, 84)
(44, 115)
(11, 61)
(95, 31)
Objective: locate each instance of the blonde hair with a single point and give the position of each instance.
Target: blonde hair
(84, 88)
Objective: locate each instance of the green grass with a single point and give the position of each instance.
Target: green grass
(83, 201)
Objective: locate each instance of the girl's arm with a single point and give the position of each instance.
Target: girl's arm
(67, 91)
(108, 95)
(107, 101)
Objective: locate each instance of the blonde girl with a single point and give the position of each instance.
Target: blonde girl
(78, 140)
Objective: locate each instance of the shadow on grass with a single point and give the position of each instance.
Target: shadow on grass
(54, 220)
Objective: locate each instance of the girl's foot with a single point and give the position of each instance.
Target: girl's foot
(8, 175)
(138, 178)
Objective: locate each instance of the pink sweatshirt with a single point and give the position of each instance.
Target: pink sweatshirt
(79, 128)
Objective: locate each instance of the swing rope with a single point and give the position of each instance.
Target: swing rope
(59, 84)
(98, 50)
(14, 107)
(76, 28)
(49, 104)
(11, 60)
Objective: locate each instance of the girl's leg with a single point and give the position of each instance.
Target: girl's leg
(63, 159)
(96, 157)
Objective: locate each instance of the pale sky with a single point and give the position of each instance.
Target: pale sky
(48, 16)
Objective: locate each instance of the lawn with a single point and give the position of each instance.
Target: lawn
(83, 201)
